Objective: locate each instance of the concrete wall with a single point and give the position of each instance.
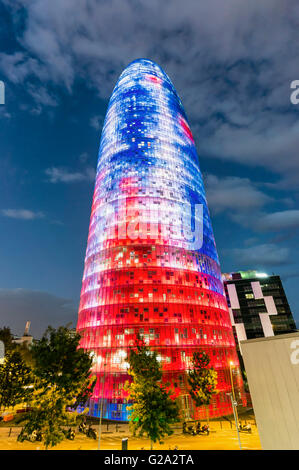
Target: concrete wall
(272, 367)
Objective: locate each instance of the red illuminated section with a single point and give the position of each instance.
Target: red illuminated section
(155, 290)
(186, 129)
(154, 79)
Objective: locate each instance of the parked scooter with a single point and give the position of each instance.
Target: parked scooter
(203, 429)
(70, 434)
(245, 427)
(90, 432)
(36, 435)
(82, 427)
(193, 431)
(188, 429)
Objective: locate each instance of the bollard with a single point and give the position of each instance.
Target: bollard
(124, 444)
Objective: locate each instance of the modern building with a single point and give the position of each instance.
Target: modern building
(151, 265)
(272, 368)
(258, 305)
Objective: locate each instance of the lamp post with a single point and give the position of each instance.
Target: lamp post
(231, 364)
(101, 409)
(231, 378)
(234, 403)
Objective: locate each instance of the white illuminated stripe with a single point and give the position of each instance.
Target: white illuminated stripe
(257, 290)
(270, 305)
(241, 332)
(233, 297)
(266, 324)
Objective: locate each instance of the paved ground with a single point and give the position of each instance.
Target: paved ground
(223, 436)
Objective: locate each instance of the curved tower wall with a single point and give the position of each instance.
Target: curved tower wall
(151, 265)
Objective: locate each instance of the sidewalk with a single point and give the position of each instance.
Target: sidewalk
(219, 438)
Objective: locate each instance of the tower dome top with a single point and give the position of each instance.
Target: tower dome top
(139, 68)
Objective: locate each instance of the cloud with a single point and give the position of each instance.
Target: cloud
(267, 254)
(83, 157)
(233, 194)
(289, 275)
(19, 66)
(63, 175)
(96, 122)
(273, 222)
(283, 220)
(275, 148)
(41, 308)
(42, 96)
(236, 90)
(4, 114)
(22, 214)
(250, 241)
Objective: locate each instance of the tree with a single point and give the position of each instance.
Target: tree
(15, 380)
(62, 372)
(25, 350)
(6, 337)
(153, 409)
(202, 379)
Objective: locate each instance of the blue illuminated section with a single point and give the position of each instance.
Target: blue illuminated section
(146, 134)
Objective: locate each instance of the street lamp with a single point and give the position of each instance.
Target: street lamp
(234, 405)
(234, 401)
(101, 409)
(231, 365)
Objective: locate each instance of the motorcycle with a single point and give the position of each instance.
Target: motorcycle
(203, 429)
(197, 430)
(82, 427)
(188, 429)
(70, 434)
(36, 435)
(245, 427)
(91, 433)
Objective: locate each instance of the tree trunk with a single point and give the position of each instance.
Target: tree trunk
(151, 445)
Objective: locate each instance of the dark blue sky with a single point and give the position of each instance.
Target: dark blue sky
(232, 65)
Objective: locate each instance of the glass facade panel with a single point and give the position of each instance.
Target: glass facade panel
(142, 274)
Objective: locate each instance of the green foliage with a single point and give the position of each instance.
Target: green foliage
(153, 411)
(202, 379)
(49, 416)
(6, 337)
(62, 374)
(15, 378)
(58, 361)
(25, 351)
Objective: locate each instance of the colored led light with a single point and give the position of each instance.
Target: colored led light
(146, 277)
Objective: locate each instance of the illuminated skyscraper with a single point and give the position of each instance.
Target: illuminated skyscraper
(151, 265)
